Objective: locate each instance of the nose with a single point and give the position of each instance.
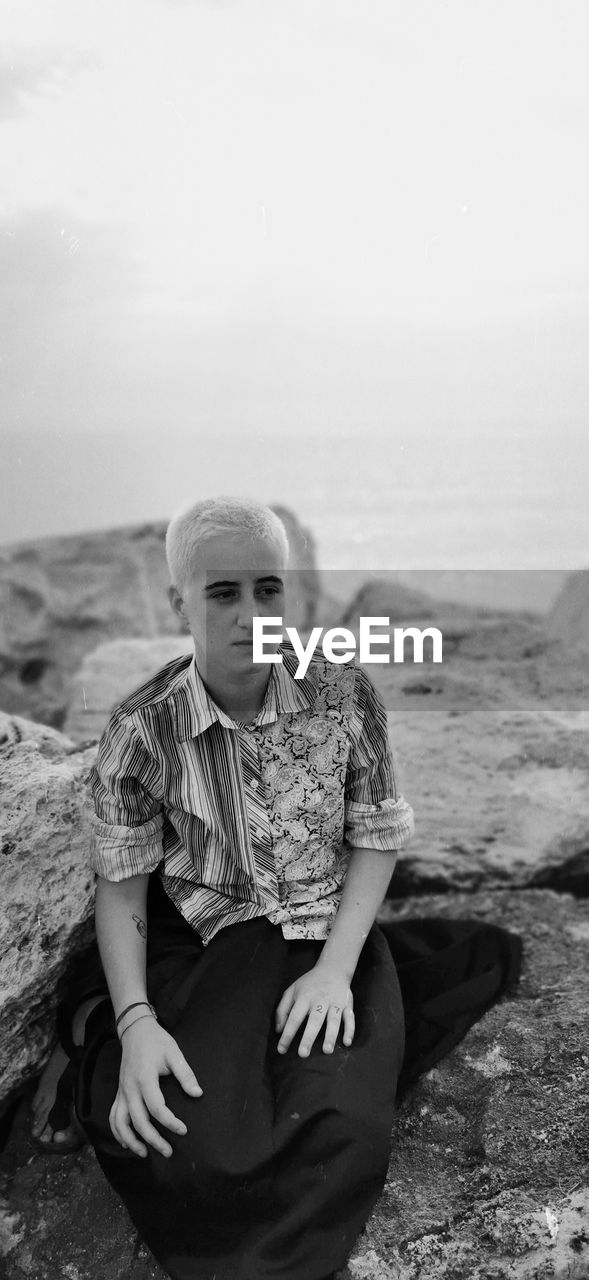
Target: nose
(247, 610)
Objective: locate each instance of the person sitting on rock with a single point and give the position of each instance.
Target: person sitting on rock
(237, 1072)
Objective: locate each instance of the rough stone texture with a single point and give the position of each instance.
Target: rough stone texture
(492, 749)
(489, 1172)
(490, 1150)
(568, 620)
(111, 672)
(46, 887)
(62, 597)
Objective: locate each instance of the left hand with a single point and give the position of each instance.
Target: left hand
(320, 996)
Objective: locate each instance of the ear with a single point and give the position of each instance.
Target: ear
(176, 602)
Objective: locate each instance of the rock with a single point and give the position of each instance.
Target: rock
(488, 1172)
(305, 582)
(532, 590)
(387, 597)
(15, 730)
(492, 750)
(568, 620)
(46, 887)
(488, 1176)
(109, 674)
(464, 628)
(62, 597)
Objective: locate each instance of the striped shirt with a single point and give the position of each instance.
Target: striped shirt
(248, 820)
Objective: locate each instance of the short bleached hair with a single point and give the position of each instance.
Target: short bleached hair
(211, 517)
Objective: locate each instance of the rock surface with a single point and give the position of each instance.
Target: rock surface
(387, 597)
(568, 620)
(488, 1172)
(493, 751)
(109, 674)
(62, 597)
(46, 887)
(488, 1176)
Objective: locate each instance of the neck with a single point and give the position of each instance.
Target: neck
(241, 697)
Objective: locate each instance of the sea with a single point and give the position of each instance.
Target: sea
(494, 517)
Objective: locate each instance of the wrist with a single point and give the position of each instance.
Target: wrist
(141, 1017)
(131, 1013)
(336, 966)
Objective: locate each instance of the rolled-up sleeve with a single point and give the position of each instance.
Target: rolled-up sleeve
(376, 816)
(128, 820)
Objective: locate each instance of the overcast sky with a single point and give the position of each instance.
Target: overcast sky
(283, 219)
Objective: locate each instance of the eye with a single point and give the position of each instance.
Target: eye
(272, 590)
(223, 596)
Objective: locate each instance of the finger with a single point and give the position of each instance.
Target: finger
(156, 1105)
(142, 1124)
(314, 1023)
(128, 1139)
(122, 1131)
(284, 1008)
(349, 1026)
(334, 1019)
(181, 1069)
(296, 1016)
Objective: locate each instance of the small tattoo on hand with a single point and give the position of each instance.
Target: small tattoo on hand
(319, 1008)
(140, 926)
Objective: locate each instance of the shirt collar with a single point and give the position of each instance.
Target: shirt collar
(196, 711)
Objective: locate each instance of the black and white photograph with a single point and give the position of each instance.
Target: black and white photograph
(294, 640)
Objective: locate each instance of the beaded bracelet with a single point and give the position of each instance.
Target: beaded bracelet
(135, 1005)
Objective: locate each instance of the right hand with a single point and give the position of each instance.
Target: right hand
(148, 1053)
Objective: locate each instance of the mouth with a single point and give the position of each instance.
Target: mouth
(243, 644)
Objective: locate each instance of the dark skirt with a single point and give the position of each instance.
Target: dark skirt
(284, 1156)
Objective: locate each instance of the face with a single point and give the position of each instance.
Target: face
(235, 578)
